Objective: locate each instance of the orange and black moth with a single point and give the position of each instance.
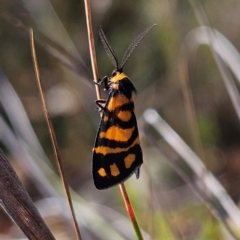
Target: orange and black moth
(117, 153)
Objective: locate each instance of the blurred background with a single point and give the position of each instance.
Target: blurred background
(170, 57)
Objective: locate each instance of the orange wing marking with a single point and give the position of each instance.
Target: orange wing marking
(117, 134)
(129, 159)
(102, 172)
(114, 170)
(124, 115)
(117, 101)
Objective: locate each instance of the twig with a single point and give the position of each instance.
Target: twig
(53, 137)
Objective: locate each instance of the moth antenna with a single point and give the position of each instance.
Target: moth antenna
(133, 45)
(111, 54)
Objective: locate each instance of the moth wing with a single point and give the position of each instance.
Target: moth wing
(117, 153)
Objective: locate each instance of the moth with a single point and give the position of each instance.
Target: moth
(117, 153)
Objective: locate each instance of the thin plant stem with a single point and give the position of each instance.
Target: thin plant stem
(53, 138)
(130, 211)
(92, 47)
(127, 202)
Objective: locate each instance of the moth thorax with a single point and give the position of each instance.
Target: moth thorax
(118, 77)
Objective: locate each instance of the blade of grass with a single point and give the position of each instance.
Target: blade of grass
(223, 69)
(204, 178)
(189, 105)
(127, 202)
(54, 30)
(18, 205)
(58, 51)
(224, 51)
(23, 143)
(53, 138)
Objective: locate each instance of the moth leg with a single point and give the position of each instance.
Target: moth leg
(98, 83)
(137, 172)
(101, 104)
(105, 81)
